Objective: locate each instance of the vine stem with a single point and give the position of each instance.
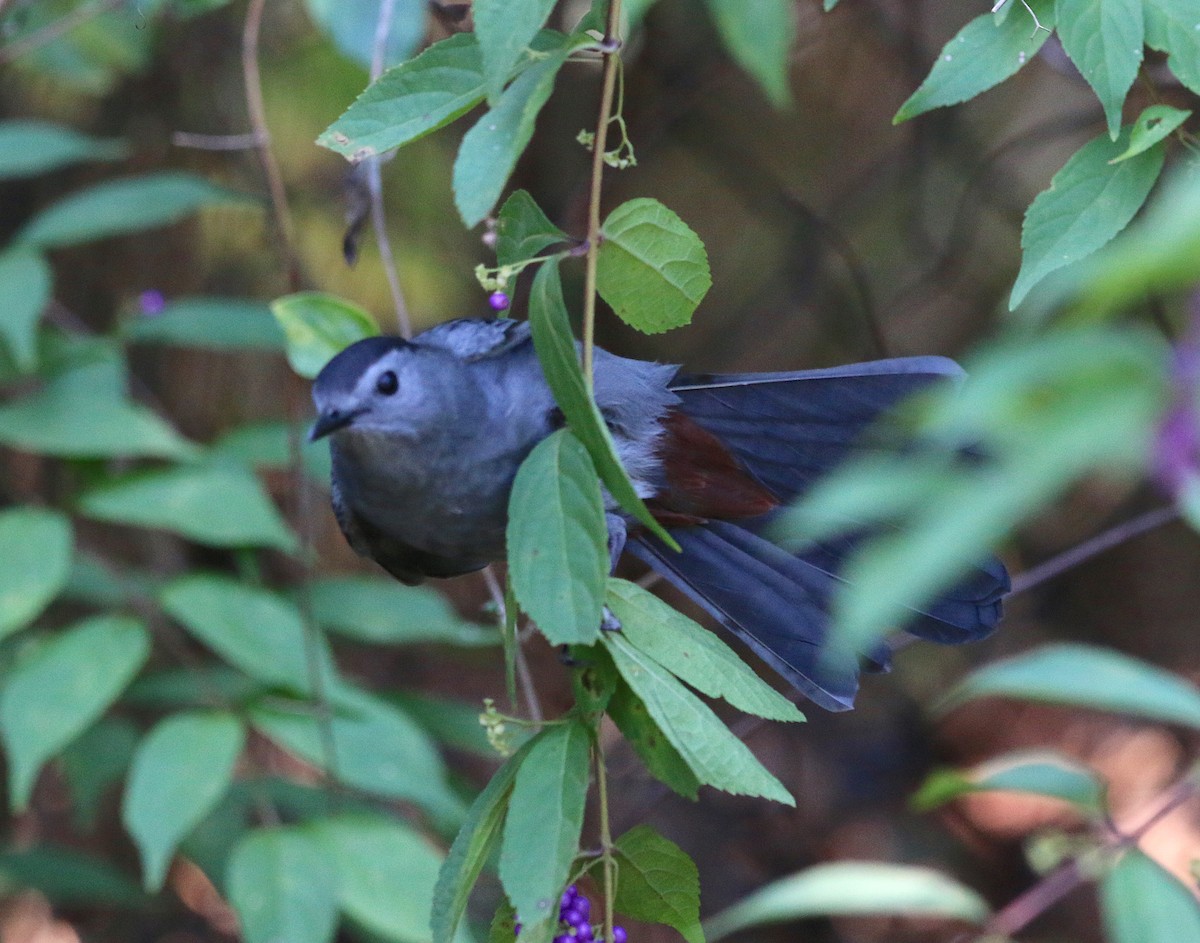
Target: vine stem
(262, 140)
(611, 52)
(605, 838)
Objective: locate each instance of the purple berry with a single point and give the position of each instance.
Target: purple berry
(573, 918)
(516, 929)
(619, 935)
(564, 938)
(583, 907)
(498, 300)
(583, 933)
(152, 302)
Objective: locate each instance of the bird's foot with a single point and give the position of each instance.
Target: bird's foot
(609, 622)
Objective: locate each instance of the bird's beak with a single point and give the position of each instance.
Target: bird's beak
(330, 422)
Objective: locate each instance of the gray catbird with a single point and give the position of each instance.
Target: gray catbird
(427, 435)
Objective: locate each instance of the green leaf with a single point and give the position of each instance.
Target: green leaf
(504, 29)
(490, 149)
(523, 230)
(383, 611)
(473, 846)
(652, 269)
(851, 888)
(628, 712)
(29, 147)
(117, 207)
(1171, 28)
(1084, 676)
(545, 819)
(27, 281)
(94, 762)
(36, 547)
(318, 326)
(1142, 902)
(70, 878)
(269, 445)
(983, 54)
(218, 504)
(179, 773)
(1089, 201)
(59, 686)
(504, 924)
(1152, 126)
(283, 887)
(376, 748)
(759, 34)
(251, 628)
(452, 722)
(212, 323)
(657, 882)
(693, 654)
(557, 540)
(714, 755)
(1039, 772)
(83, 412)
(386, 874)
(195, 687)
(1104, 39)
(557, 352)
(411, 100)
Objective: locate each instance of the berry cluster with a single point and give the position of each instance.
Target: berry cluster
(575, 921)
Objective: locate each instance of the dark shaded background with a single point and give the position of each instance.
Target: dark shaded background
(833, 236)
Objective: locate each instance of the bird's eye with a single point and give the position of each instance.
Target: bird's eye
(386, 384)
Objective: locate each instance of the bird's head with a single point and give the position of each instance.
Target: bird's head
(372, 385)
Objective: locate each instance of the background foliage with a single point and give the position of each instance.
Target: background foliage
(215, 721)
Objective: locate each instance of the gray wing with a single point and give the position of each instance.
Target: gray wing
(473, 339)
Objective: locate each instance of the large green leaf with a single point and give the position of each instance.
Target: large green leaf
(557, 541)
(692, 653)
(83, 412)
(217, 503)
(29, 147)
(214, 323)
(411, 100)
(523, 230)
(318, 326)
(983, 54)
(70, 878)
(1104, 39)
(178, 775)
(651, 268)
(270, 445)
(59, 686)
(629, 713)
(1152, 125)
(375, 747)
(36, 546)
(658, 882)
(283, 886)
(559, 357)
(713, 753)
(386, 873)
(504, 29)
(545, 818)
(472, 847)
(385, 612)
(124, 206)
(26, 278)
(1038, 772)
(1171, 28)
(1089, 201)
(490, 149)
(1085, 676)
(253, 629)
(759, 34)
(94, 762)
(1142, 902)
(851, 888)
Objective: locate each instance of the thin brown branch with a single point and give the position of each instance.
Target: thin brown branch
(215, 142)
(1106, 540)
(284, 233)
(1024, 909)
(52, 31)
(524, 676)
(611, 51)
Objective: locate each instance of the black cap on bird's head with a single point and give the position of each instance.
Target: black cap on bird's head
(346, 386)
